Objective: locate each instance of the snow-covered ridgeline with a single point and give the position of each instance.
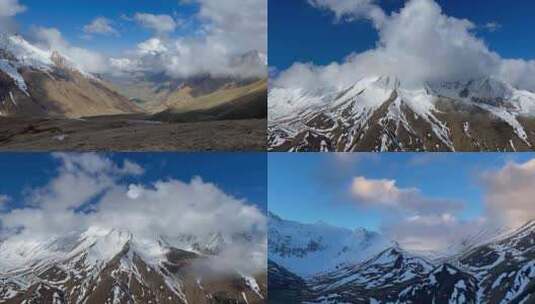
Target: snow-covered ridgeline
(353, 106)
(297, 246)
(17, 53)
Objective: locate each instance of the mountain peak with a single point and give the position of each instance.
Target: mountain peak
(273, 216)
(490, 88)
(115, 264)
(445, 268)
(388, 82)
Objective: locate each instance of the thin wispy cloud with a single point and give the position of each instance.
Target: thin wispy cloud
(492, 26)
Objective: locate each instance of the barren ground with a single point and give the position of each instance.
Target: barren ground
(130, 133)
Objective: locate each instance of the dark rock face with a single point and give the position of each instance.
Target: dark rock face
(284, 286)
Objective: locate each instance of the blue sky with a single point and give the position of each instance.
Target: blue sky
(299, 32)
(315, 187)
(242, 175)
(70, 17)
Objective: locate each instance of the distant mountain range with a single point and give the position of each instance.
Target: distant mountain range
(498, 269)
(380, 114)
(115, 266)
(35, 82)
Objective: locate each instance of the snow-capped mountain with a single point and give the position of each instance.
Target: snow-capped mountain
(296, 246)
(39, 82)
(380, 114)
(500, 270)
(116, 266)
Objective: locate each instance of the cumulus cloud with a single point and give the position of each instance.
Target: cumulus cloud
(230, 42)
(101, 25)
(87, 60)
(419, 222)
(226, 38)
(90, 192)
(509, 193)
(415, 221)
(417, 44)
(8, 9)
(385, 193)
(161, 24)
(348, 10)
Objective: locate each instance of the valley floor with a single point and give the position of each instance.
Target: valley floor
(130, 133)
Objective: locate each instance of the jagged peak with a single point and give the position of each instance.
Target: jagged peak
(487, 87)
(273, 216)
(27, 54)
(388, 82)
(59, 59)
(362, 230)
(490, 87)
(387, 256)
(445, 268)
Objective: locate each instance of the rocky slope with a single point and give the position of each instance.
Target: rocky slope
(113, 266)
(37, 82)
(380, 114)
(498, 270)
(230, 102)
(158, 92)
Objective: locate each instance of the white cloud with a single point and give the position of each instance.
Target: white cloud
(509, 193)
(87, 60)
(170, 208)
(417, 44)
(102, 26)
(376, 191)
(415, 221)
(432, 233)
(418, 222)
(492, 26)
(161, 24)
(231, 41)
(10, 8)
(349, 10)
(232, 31)
(385, 193)
(153, 46)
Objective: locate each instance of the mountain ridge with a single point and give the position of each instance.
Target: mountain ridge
(499, 269)
(37, 82)
(380, 114)
(117, 266)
